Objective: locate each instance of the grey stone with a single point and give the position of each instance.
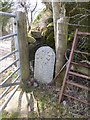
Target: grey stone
(44, 64)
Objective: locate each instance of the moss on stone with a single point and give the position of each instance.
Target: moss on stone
(39, 16)
(50, 40)
(48, 35)
(31, 39)
(50, 25)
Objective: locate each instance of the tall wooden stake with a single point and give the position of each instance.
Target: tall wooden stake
(23, 47)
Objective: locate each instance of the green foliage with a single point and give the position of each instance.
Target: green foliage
(39, 16)
(31, 44)
(5, 7)
(31, 52)
(50, 20)
(70, 36)
(50, 40)
(6, 115)
(48, 35)
(50, 25)
(48, 31)
(78, 13)
(14, 115)
(31, 39)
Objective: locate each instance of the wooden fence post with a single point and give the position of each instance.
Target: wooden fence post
(23, 47)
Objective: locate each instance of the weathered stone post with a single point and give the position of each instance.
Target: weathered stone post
(61, 43)
(23, 48)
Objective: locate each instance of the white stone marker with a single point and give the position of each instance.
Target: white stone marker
(44, 64)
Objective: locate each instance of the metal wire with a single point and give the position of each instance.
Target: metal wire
(78, 25)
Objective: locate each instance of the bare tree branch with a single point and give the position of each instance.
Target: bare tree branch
(34, 7)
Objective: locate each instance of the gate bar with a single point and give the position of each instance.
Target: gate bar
(8, 78)
(80, 64)
(2, 95)
(77, 85)
(7, 14)
(85, 102)
(8, 55)
(69, 64)
(83, 33)
(7, 36)
(77, 51)
(9, 66)
(79, 75)
(8, 99)
(10, 84)
(17, 79)
(69, 72)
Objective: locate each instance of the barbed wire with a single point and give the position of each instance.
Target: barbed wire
(77, 25)
(82, 17)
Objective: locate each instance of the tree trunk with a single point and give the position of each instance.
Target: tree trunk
(60, 33)
(56, 15)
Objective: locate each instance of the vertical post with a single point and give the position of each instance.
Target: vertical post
(23, 47)
(61, 44)
(1, 24)
(0, 30)
(15, 44)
